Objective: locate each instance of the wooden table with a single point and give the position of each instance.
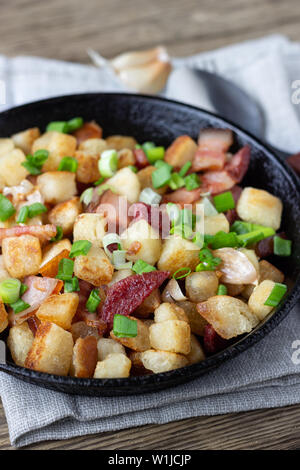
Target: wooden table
(64, 30)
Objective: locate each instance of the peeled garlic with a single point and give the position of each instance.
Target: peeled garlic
(236, 268)
(142, 71)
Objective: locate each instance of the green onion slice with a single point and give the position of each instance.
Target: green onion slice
(34, 162)
(36, 209)
(222, 290)
(133, 168)
(148, 196)
(99, 181)
(185, 272)
(6, 208)
(74, 124)
(208, 261)
(86, 196)
(109, 239)
(277, 293)
(141, 267)
(23, 215)
(119, 260)
(161, 175)
(253, 237)
(173, 212)
(10, 290)
(58, 126)
(68, 164)
(19, 306)
(209, 208)
(282, 247)
(155, 153)
(176, 181)
(80, 247)
(192, 181)
(124, 327)
(59, 234)
(225, 201)
(93, 301)
(222, 239)
(65, 269)
(72, 286)
(108, 163)
(185, 169)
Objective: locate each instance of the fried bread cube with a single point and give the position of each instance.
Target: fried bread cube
(113, 366)
(22, 255)
(87, 170)
(65, 213)
(167, 311)
(85, 357)
(178, 252)
(59, 145)
(59, 309)
(4, 274)
(141, 342)
(95, 267)
(91, 227)
(51, 350)
(19, 342)
(258, 297)
(182, 150)
(94, 146)
(126, 183)
(11, 170)
(171, 335)
(119, 142)
(125, 158)
(196, 321)
(24, 140)
(148, 238)
(260, 207)
(162, 361)
(3, 317)
(201, 285)
(57, 186)
(214, 223)
(108, 346)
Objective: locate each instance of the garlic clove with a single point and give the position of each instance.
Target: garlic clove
(150, 78)
(139, 58)
(236, 268)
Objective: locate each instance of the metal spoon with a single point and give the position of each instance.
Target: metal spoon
(214, 93)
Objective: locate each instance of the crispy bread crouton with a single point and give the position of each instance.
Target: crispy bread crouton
(162, 361)
(141, 342)
(59, 309)
(95, 267)
(182, 150)
(177, 252)
(22, 255)
(108, 346)
(258, 297)
(57, 186)
(260, 207)
(113, 366)
(65, 213)
(59, 145)
(85, 357)
(20, 341)
(202, 285)
(171, 335)
(24, 140)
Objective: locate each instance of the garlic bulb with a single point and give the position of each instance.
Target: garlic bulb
(142, 71)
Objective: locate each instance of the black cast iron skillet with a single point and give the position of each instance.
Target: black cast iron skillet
(160, 120)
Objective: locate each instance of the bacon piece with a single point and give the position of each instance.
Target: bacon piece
(42, 232)
(182, 196)
(213, 145)
(126, 295)
(216, 182)
(115, 209)
(212, 342)
(39, 289)
(141, 160)
(238, 165)
(89, 130)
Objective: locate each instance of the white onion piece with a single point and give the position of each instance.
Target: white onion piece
(235, 267)
(172, 292)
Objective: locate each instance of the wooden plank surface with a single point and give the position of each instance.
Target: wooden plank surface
(64, 29)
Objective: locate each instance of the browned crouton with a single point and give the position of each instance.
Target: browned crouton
(85, 357)
(22, 255)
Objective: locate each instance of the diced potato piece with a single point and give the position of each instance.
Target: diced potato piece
(268, 271)
(214, 223)
(4, 274)
(141, 342)
(6, 146)
(65, 213)
(24, 140)
(167, 311)
(148, 237)
(202, 285)
(59, 309)
(178, 252)
(197, 322)
(22, 255)
(11, 170)
(85, 357)
(59, 145)
(230, 317)
(108, 346)
(93, 146)
(182, 150)
(162, 361)
(119, 275)
(148, 305)
(260, 207)
(80, 330)
(87, 170)
(91, 227)
(57, 186)
(258, 298)
(95, 267)
(3, 317)
(54, 249)
(51, 350)
(125, 158)
(196, 354)
(171, 335)
(113, 366)
(119, 142)
(145, 179)
(19, 342)
(126, 183)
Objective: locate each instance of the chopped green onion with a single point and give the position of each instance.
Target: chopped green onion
(93, 301)
(108, 163)
(6, 208)
(208, 239)
(34, 162)
(224, 201)
(241, 228)
(277, 293)
(282, 247)
(148, 196)
(222, 290)
(192, 181)
(173, 212)
(184, 231)
(208, 261)
(110, 239)
(59, 234)
(209, 208)
(10, 290)
(141, 267)
(19, 306)
(162, 163)
(146, 146)
(185, 169)
(86, 196)
(23, 215)
(124, 327)
(186, 271)
(161, 175)
(104, 187)
(23, 289)
(80, 247)
(155, 153)
(58, 126)
(119, 260)
(72, 286)
(68, 164)
(222, 239)
(176, 181)
(133, 168)
(253, 237)
(198, 240)
(74, 124)
(99, 181)
(65, 269)
(36, 209)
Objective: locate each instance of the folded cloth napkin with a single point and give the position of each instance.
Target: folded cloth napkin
(265, 376)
